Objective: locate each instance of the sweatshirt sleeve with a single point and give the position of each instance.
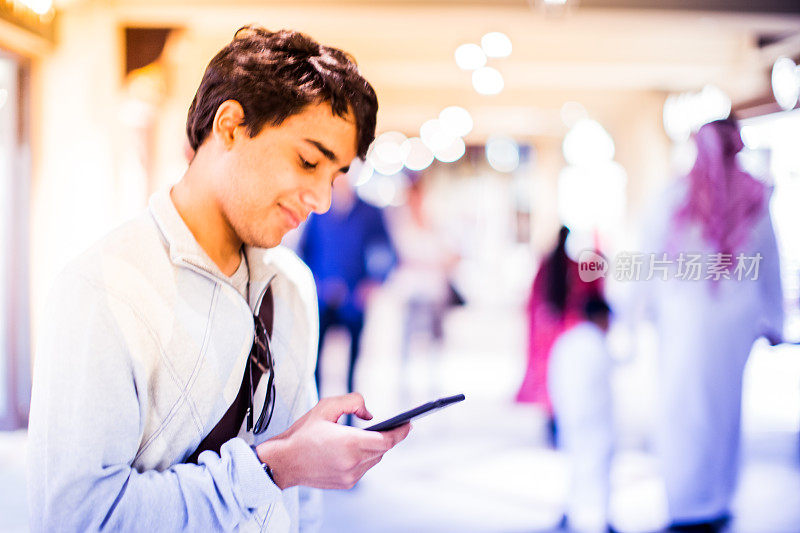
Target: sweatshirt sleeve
(86, 427)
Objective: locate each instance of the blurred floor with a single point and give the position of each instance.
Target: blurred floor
(480, 466)
(13, 500)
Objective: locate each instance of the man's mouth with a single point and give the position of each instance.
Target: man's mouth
(293, 218)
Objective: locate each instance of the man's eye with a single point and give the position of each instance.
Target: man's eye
(307, 165)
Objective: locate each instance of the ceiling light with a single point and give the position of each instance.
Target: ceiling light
(470, 56)
(386, 154)
(785, 83)
(750, 137)
(456, 120)
(380, 191)
(502, 154)
(588, 143)
(418, 156)
(435, 136)
(686, 112)
(488, 81)
(555, 8)
(360, 172)
(496, 44)
(453, 152)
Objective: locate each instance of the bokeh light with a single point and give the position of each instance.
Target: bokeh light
(452, 152)
(456, 120)
(502, 153)
(496, 44)
(588, 143)
(470, 56)
(417, 155)
(488, 81)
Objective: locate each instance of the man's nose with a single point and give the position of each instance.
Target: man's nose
(318, 197)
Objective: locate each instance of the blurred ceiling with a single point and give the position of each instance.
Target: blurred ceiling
(731, 6)
(606, 54)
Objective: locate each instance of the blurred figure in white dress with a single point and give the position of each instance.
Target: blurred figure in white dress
(580, 390)
(421, 283)
(719, 292)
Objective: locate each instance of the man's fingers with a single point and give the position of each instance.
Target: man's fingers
(383, 441)
(333, 408)
(398, 434)
(372, 463)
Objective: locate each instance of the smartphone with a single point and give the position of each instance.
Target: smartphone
(417, 412)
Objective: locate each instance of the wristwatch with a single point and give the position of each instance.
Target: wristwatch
(265, 466)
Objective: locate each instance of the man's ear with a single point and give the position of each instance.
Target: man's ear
(228, 118)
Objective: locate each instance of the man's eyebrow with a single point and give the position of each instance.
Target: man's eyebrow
(327, 152)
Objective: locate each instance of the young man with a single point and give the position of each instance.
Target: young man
(163, 343)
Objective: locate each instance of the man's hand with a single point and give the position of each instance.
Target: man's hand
(317, 452)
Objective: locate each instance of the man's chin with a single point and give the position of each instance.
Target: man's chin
(265, 241)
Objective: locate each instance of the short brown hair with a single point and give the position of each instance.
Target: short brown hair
(274, 75)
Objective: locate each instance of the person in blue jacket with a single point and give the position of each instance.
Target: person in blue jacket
(350, 252)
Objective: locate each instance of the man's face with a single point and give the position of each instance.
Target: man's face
(275, 179)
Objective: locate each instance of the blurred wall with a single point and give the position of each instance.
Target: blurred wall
(90, 172)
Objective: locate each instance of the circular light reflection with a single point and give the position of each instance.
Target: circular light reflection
(360, 172)
(469, 56)
(592, 198)
(390, 153)
(435, 136)
(418, 156)
(383, 191)
(686, 112)
(456, 120)
(386, 153)
(676, 120)
(388, 169)
(502, 153)
(496, 44)
(453, 152)
(487, 80)
(587, 143)
(715, 102)
(750, 137)
(785, 83)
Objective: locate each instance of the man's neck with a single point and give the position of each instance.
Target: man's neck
(200, 211)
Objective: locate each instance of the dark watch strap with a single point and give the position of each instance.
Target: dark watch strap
(265, 466)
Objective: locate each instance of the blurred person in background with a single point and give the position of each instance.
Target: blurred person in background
(556, 303)
(707, 322)
(149, 410)
(423, 278)
(350, 253)
(580, 388)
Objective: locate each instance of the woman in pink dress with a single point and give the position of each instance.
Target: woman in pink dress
(556, 303)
